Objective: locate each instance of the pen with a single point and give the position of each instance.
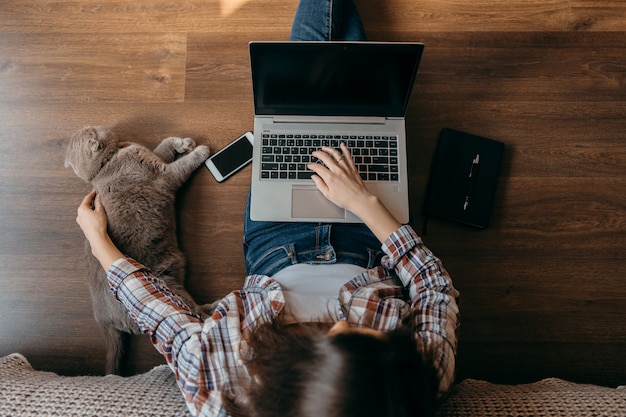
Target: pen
(470, 181)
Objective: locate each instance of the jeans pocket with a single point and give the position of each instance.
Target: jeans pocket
(271, 261)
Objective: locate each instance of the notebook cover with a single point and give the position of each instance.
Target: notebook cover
(463, 178)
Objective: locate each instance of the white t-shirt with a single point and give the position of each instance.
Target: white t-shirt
(311, 291)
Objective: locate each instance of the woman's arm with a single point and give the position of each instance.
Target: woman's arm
(433, 299)
(193, 348)
(340, 182)
(432, 295)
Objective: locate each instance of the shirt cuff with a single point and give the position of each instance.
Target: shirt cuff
(399, 244)
(119, 270)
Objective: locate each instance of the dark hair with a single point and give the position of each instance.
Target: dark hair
(307, 373)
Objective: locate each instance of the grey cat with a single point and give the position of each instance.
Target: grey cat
(137, 188)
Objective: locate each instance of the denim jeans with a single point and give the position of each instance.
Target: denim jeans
(271, 246)
(325, 20)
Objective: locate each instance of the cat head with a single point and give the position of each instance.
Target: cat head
(89, 150)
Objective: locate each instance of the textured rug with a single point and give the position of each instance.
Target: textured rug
(550, 397)
(27, 392)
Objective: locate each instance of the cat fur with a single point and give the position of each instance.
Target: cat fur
(137, 188)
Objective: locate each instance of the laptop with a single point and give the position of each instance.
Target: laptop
(311, 94)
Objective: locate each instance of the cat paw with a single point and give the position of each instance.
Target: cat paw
(184, 145)
(204, 151)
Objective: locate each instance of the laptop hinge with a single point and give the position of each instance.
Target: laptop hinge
(330, 119)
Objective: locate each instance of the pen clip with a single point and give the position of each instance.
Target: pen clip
(470, 181)
(474, 166)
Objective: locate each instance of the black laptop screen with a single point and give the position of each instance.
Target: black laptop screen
(333, 78)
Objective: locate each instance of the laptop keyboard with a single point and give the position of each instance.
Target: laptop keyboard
(285, 156)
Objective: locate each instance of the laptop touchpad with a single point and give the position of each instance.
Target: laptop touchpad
(309, 202)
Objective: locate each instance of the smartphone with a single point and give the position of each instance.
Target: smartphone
(231, 158)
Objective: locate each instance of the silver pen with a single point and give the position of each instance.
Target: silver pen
(472, 174)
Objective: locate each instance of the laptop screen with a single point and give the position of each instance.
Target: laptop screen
(333, 78)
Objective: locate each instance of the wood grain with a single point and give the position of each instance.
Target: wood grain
(542, 288)
(93, 67)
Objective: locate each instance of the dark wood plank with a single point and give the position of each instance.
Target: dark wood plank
(498, 15)
(243, 15)
(112, 16)
(85, 68)
(550, 221)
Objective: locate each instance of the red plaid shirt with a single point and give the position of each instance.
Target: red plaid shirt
(206, 356)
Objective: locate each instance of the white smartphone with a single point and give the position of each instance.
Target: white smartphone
(231, 158)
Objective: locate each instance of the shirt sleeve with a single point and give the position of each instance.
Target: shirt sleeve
(432, 296)
(204, 355)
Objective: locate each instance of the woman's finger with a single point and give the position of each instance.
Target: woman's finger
(331, 157)
(322, 171)
(89, 199)
(98, 203)
(346, 156)
(325, 156)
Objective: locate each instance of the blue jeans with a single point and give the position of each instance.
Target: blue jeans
(326, 20)
(271, 246)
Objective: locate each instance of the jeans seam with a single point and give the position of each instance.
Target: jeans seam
(317, 236)
(330, 20)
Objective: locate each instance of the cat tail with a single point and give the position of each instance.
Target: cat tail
(115, 343)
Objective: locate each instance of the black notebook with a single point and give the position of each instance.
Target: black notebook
(463, 178)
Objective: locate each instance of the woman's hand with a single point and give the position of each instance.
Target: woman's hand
(93, 221)
(91, 217)
(339, 181)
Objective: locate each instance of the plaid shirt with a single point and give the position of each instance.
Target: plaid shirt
(206, 356)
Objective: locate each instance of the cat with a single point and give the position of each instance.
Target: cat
(137, 188)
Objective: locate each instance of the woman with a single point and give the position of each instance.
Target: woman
(385, 336)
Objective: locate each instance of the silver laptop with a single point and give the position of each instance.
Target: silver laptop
(311, 94)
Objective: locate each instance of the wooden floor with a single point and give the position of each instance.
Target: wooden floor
(543, 289)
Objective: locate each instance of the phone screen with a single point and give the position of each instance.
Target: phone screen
(233, 157)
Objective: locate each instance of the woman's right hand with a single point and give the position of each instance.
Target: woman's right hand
(338, 178)
(340, 182)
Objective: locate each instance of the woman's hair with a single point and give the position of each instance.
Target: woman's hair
(308, 373)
